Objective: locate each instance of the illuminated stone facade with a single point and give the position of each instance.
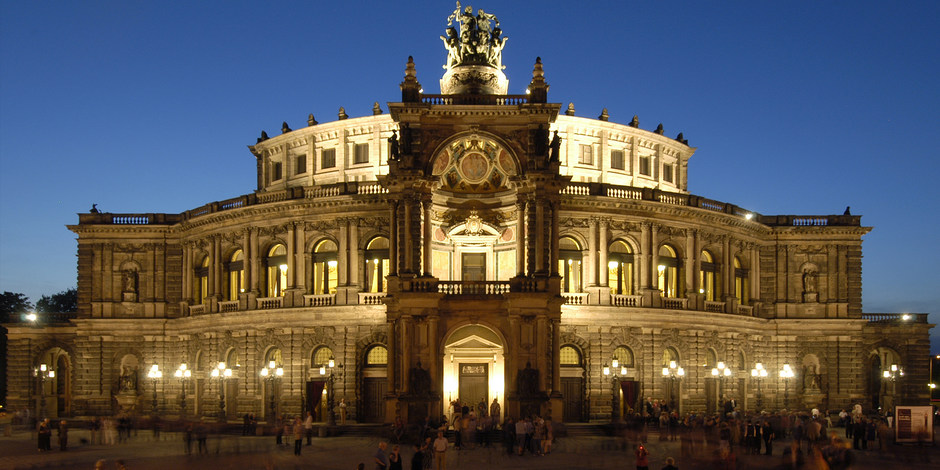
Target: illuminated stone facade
(470, 246)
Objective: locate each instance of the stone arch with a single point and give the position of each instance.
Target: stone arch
(511, 149)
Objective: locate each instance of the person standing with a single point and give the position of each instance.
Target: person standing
(308, 427)
(45, 436)
(670, 464)
(298, 431)
(394, 459)
(380, 459)
(767, 433)
(642, 458)
(342, 411)
(63, 435)
(417, 461)
(440, 451)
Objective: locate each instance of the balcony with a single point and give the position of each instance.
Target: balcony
(897, 318)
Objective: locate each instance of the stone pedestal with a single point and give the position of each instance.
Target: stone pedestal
(474, 80)
(127, 402)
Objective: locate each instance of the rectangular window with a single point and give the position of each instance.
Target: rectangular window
(301, 167)
(362, 153)
(276, 171)
(616, 159)
(328, 158)
(645, 166)
(586, 155)
(667, 173)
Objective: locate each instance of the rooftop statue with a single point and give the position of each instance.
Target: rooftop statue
(477, 42)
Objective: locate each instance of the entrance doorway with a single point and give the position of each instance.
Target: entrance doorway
(373, 399)
(573, 390)
(473, 369)
(474, 384)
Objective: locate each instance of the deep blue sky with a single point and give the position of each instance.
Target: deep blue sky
(795, 107)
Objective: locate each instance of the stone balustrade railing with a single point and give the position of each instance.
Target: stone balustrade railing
(895, 317)
(473, 287)
(197, 309)
(675, 304)
(498, 100)
(320, 300)
(714, 307)
(575, 298)
(228, 306)
(371, 298)
(266, 303)
(618, 300)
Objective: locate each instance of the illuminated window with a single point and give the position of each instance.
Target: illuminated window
(645, 165)
(740, 282)
(277, 270)
(569, 356)
(708, 277)
(273, 355)
(361, 153)
(324, 268)
(569, 265)
(328, 158)
(201, 280)
(624, 356)
(616, 160)
(586, 156)
(376, 265)
(321, 357)
(620, 269)
(669, 354)
(377, 356)
(236, 275)
(668, 272)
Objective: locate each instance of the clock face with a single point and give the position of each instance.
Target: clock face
(474, 165)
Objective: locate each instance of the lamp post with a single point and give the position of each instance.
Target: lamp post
(758, 373)
(31, 317)
(183, 374)
(673, 374)
(154, 374)
(330, 380)
(271, 374)
(721, 372)
(222, 373)
(786, 373)
(44, 373)
(615, 364)
(892, 374)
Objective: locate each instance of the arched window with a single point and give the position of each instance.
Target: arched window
(236, 274)
(273, 354)
(569, 265)
(569, 356)
(231, 360)
(740, 282)
(668, 272)
(711, 358)
(708, 277)
(321, 357)
(377, 356)
(324, 268)
(624, 356)
(201, 280)
(669, 355)
(276, 263)
(376, 265)
(620, 268)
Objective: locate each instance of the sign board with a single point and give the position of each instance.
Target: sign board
(913, 424)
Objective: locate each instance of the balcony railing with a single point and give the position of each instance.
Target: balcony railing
(575, 298)
(895, 317)
(618, 300)
(228, 306)
(371, 298)
(197, 309)
(498, 100)
(675, 304)
(320, 300)
(266, 303)
(473, 287)
(714, 307)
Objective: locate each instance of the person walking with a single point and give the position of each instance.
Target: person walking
(380, 459)
(308, 427)
(63, 435)
(417, 460)
(440, 451)
(642, 458)
(298, 431)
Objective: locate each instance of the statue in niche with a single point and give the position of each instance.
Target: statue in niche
(128, 379)
(129, 281)
(809, 281)
(528, 381)
(419, 380)
(555, 147)
(394, 153)
(811, 379)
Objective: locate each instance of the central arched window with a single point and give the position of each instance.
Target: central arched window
(376, 265)
(668, 272)
(624, 356)
(569, 264)
(620, 268)
(377, 356)
(321, 357)
(324, 268)
(670, 355)
(708, 277)
(277, 270)
(740, 282)
(569, 356)
(201, 280)
(236, 275)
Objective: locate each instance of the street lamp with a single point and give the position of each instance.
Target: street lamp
(44, 373)
(721, 372)
(892, 374)
(613, 385)
(271, 374)
(222, 373)
(183, 374)
(758, 373)
(674, 374)
(154, 374)
(786, 374)
(330, 380)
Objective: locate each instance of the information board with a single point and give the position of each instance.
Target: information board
(913, 424)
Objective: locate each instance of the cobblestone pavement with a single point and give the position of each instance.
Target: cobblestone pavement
(144, 452)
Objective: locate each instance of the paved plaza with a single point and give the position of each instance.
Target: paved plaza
(144, 451)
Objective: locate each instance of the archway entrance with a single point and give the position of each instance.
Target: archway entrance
(473, 370)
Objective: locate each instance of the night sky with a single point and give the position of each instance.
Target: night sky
(795, 107)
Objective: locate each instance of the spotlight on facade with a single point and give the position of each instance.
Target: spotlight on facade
(906, 317)
(32, 317)
(749, 216)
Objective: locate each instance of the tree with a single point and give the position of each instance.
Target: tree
(11, 305)
(65, 301)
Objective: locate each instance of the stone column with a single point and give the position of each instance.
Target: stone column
(727, 287)
(691, 255)
(426, 201)
(255, 261)
(556, 356)
(343, 256)
(291, 247)
(520, 236)
(408, 236)
(187, 271)
(643, 257)
(654, 257)
(531, 236)
(592, 253)
(602, 259)
(543, 359)
(354, 263)
(391, 367)
(555, 239)
(406, 342)
(299, 272)
(393, 239)
(435, 367)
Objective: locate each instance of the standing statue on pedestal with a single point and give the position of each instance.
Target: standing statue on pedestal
(478, 40)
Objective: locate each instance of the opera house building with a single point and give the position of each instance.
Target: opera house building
(472, 245)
